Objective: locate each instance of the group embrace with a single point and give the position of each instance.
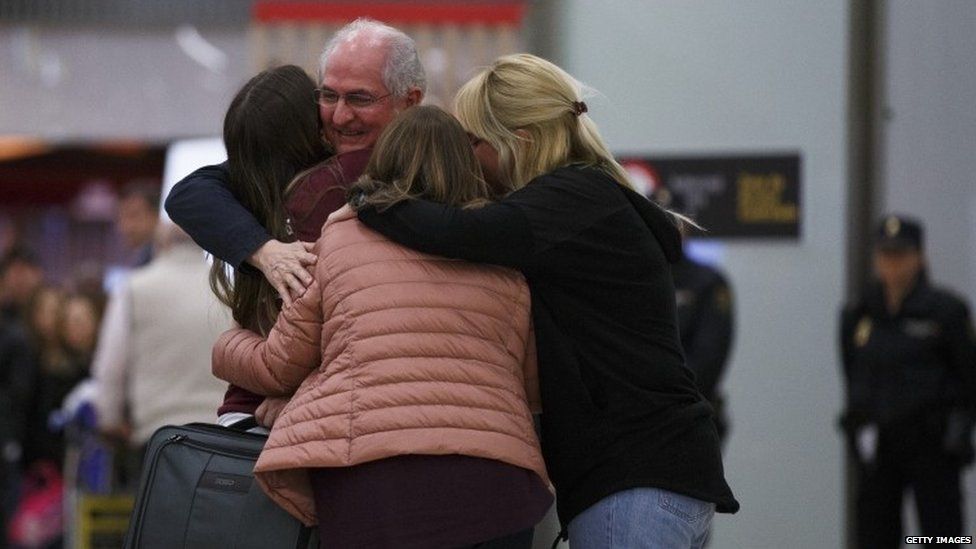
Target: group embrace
(442, 280)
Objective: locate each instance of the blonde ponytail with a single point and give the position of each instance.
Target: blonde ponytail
(533, 114)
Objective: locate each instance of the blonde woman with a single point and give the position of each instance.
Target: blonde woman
(629, 442)
(409, 426)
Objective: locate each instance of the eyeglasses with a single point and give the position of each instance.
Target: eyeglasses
(356, 100)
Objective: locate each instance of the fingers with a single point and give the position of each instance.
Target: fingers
(296, 281)
(289, 280)
(273, 253)
(300, 251)
(284, 265)
(306, 258)
(297, 271)
(278, 282)
(294, 257)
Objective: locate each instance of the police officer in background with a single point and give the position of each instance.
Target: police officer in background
(909, 359)
(705, 322)
(705, 318)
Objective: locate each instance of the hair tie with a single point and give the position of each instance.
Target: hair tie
(579, 108)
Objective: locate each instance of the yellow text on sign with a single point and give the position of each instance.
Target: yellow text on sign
(760, 199)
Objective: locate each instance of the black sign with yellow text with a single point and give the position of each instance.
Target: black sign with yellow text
(730, 196)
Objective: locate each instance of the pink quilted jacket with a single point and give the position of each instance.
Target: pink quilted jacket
(390, 352)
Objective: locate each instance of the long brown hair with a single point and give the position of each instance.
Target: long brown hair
(423, 153)
(272, 133)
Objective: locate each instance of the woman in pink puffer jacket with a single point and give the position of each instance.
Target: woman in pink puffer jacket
(409, 375)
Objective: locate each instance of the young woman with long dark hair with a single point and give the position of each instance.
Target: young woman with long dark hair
(272, 135)
(282, 171)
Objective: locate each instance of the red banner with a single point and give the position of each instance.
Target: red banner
(480, 13)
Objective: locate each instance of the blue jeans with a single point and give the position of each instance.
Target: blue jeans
(642, 518)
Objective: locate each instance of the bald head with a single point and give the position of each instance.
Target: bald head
(402, 70)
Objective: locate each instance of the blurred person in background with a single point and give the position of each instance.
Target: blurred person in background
(705, 322)
(43, 322)
(78, 323)
(17, 367)
(706, 319)
(24, 346)
(138, 215)
(909, 360)
(20, 276)
(151, 367)
(369, 72)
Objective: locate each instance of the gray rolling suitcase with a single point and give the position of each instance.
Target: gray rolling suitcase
(197, 491)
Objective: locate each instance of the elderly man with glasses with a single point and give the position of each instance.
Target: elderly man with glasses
(368, 73)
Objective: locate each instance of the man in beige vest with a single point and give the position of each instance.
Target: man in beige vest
(152, 365)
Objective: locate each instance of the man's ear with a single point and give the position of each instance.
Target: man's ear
(414, 97)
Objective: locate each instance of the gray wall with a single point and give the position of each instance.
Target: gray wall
(929, 137)
(78, 84)
(700, 77)
(928, 166)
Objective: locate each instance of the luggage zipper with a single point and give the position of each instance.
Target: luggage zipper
(187, 441)
(152, 475)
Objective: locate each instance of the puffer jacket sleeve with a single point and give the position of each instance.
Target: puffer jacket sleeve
(278, 365)
(270, 410)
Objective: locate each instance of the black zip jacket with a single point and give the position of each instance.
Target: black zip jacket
(918, 361)
(620, 410)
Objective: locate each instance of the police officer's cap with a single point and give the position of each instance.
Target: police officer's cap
(898, 232)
